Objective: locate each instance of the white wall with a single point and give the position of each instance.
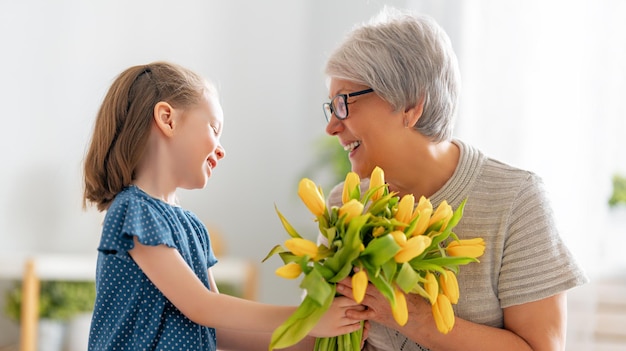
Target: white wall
(58, 58)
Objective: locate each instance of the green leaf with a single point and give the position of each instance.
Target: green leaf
(317, 288)
(438, 263)
(323, 252)
(418, 289)
(380, 250)
(330, 234)
(287, 257)
(456, 217)
(300, 323)
(349, 251)
(454, 220)
(288, 227)
(390, 268)
(326, 272)
(383, 286)
(407, 278)
(380, 204)
(276, 249)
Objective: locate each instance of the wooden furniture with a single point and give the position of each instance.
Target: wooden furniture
(46, 267)
(31, 270)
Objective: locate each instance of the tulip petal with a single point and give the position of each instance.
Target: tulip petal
(359, 285)
(302, 247)
(450, 286)
(312, 197)
(289, 271)
(351, 189)
(432, 287)
(377, 181)
(399, 310)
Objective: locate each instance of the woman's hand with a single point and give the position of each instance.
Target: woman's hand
(538, 325)
(378, 308)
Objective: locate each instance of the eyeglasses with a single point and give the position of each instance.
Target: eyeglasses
(338, 105)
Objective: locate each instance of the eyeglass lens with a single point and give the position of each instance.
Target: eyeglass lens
(337, 106)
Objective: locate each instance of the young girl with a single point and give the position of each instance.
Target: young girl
(157, 130)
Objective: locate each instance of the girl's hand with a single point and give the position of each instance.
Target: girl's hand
(336, 321)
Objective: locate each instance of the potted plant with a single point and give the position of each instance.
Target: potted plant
(331, 160)
(618, 197)
(616, 225)
(59, 303)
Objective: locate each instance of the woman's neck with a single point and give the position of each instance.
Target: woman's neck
(424, 172)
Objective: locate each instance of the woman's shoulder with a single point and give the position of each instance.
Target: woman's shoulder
(474, 159)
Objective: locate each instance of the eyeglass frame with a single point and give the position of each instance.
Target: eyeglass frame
(328, 106)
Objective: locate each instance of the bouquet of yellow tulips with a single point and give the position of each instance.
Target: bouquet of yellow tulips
(399, 247)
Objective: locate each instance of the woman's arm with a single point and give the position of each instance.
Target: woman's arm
(533, 326)
(174, 278)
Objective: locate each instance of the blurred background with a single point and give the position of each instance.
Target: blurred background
(543, 89)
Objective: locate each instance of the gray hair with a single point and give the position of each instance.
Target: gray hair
(404, 57)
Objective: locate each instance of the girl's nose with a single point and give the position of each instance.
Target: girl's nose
(220, 152)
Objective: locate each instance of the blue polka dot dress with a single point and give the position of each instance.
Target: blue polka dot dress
(130, 313)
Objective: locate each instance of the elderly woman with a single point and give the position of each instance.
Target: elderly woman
(393, 89)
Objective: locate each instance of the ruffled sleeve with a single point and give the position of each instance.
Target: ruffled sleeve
(134, 217)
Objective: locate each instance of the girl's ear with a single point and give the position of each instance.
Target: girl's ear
(413, 114)
(164, 117)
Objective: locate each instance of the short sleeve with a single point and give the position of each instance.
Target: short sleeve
(130, 218)
(534, 254)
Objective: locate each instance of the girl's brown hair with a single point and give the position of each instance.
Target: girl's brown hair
(124, 121)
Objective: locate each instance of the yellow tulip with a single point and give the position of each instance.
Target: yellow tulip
(399, 237)
(400, 311)
(443, 314)
(424, 203)
(312, 197)
(466, 248)
(289, 271)
(359, 285)
(378, 231)
(412, 248)
(422, 222)
(377, 180)
(302, 247)
(450, 286)
(432, 287)
(351, 209)
(405, 210)
(351, 182)
(444, 212)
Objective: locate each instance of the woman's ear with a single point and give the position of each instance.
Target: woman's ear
(413, 114)
(164, 117)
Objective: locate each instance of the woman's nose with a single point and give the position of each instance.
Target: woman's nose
(334, 125)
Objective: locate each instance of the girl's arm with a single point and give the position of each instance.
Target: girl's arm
(233, 340)
(174, 278)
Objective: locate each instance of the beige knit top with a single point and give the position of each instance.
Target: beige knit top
(525, 259)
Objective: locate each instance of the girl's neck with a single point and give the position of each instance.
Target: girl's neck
(155, 191)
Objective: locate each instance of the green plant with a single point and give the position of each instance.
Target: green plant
(60, 300)
(619, 191)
